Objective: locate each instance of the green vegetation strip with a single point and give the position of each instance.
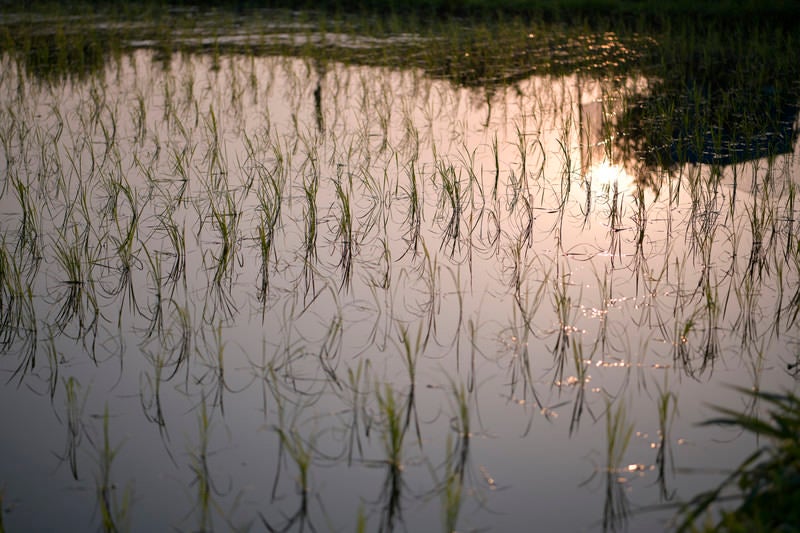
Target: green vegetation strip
(748, 11)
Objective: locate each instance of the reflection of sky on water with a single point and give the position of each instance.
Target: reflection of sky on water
(612, 278)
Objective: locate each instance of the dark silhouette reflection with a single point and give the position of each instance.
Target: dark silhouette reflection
(683, 125)
(733, 101)
(59, 55)
(320, 69)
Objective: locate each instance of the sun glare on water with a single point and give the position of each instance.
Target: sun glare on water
(607, 174)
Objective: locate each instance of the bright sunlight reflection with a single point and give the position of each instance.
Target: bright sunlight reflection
(604, 173)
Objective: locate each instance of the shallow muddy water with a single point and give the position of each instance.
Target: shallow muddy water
(252, 292)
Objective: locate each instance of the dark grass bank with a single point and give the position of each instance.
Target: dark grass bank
(604, 12)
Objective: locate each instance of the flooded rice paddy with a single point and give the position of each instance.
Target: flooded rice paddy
(276, 291)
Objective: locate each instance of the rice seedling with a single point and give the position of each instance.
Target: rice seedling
(201, 472)
(357, 400)
(74, 413)
(150, 392)
(456, 461)
(53, 361)
(618, 436)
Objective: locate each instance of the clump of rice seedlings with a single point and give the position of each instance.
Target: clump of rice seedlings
(747, 297)
(789, 219)
(225, 219)
(579, 383)
(710, 347)
(76, 258)
(178, 343)
(760, 217)
(568, 168)
(564, 315)
(156, 318)
(310, 189)
(526, 227)
(639, 219)
(430, 278)
(413, 220)
(515, 340)
(124, 240)
(139, 118)
(411, 349)
(615, 226)
(667, 402)
(451, 200)
(522, 149)
(496, 158)
(766, 483)
(199, 466)
(114, 510)
(605, 286)
(301, 454)
(345, 235)
(618, 435)
(214, 156)
(456, 462)
(182, 165)
(150, 391)
(30, 223)
(74, 408)
(521, 270)
(300, 451)
(393, 435)
(357, 399)
(53, 363)
(28, 343)
(176, 237)
(331, 344)
(270, 200)
(18, 321)
(216, 349)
